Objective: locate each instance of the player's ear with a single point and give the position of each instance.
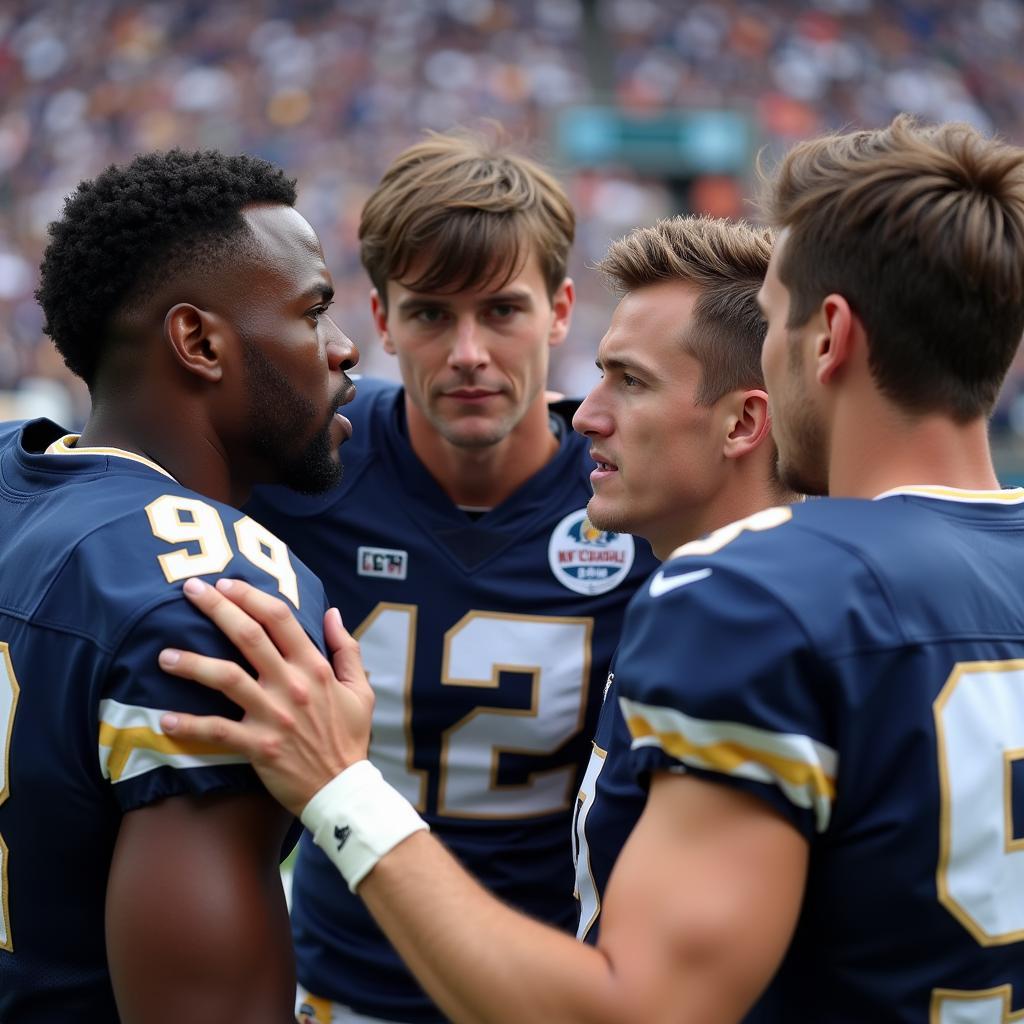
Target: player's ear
(562, 303)
(836, 340)
(379, 312)
(197, 339)
(747, 422)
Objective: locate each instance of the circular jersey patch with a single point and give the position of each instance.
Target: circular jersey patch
(588, 560)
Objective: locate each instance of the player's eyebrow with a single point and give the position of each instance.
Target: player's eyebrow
(321, 291)
(416, 300)
(621, 365)
(508, 295)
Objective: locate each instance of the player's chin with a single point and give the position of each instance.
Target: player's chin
(476, 432)
(317, 469)
(314, 478)
(604, 514)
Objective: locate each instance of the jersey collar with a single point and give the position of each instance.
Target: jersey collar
(66, 445)
(1009, 496)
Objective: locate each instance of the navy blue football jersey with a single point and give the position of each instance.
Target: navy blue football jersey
(487, 641)
(860, 666)
(94, 544)
(608, 805)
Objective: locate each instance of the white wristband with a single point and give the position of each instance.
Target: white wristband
(357, 818)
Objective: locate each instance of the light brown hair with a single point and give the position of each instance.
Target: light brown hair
(921, 229)
(727, 262)
(474, 208)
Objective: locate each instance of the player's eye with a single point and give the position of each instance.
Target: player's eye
(630, 381)
(429, 315)
(503, 310)
(318, 311)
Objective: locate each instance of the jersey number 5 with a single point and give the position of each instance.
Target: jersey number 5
(555, 651)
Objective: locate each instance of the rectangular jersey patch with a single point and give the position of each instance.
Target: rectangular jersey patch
(388, 563)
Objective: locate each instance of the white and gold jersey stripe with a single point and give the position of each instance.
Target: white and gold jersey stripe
(132, 743)
(1007, 496)
(801, 767)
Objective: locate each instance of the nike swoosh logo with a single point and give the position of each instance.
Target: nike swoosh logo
(662, 584)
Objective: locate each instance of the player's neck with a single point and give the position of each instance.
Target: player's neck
(750, 488)
(484, 477)
(889, 449)
(194, 457)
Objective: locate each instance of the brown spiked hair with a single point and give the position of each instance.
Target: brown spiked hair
(726, 261)
(921, 229)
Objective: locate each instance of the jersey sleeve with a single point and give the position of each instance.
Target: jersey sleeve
(141, 763)
(718, 679)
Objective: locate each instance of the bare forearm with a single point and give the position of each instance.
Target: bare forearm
(697, 914)
(481, 961)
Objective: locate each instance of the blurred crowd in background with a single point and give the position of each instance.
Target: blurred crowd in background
(333, 89)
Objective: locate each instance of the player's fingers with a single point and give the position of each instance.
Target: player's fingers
(220, 733)
(276, 618)
(238, 626)
(230, 679)
(335, 633)
(345, 656)
(339, 646)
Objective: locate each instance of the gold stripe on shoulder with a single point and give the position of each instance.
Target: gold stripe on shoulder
(67, 446)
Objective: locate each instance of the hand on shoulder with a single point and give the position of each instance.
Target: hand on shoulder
(306, 719)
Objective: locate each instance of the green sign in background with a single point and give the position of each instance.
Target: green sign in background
(678, 144)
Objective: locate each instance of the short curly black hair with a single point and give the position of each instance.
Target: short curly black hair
(135, 225)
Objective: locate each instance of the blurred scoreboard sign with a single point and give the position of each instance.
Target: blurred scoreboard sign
(677, 144)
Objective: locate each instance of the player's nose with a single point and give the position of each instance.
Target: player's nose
(342, 353)
(592, 417)
(468, 349)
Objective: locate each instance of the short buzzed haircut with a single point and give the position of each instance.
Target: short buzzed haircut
(726, 261)
(477, 211)
(921, 229)
(136, 224)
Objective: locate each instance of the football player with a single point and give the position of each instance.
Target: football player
(486, 604)
(679, 431)
(826, 700)
(139, 874)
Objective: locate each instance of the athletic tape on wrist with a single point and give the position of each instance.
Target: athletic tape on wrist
(357, 818)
